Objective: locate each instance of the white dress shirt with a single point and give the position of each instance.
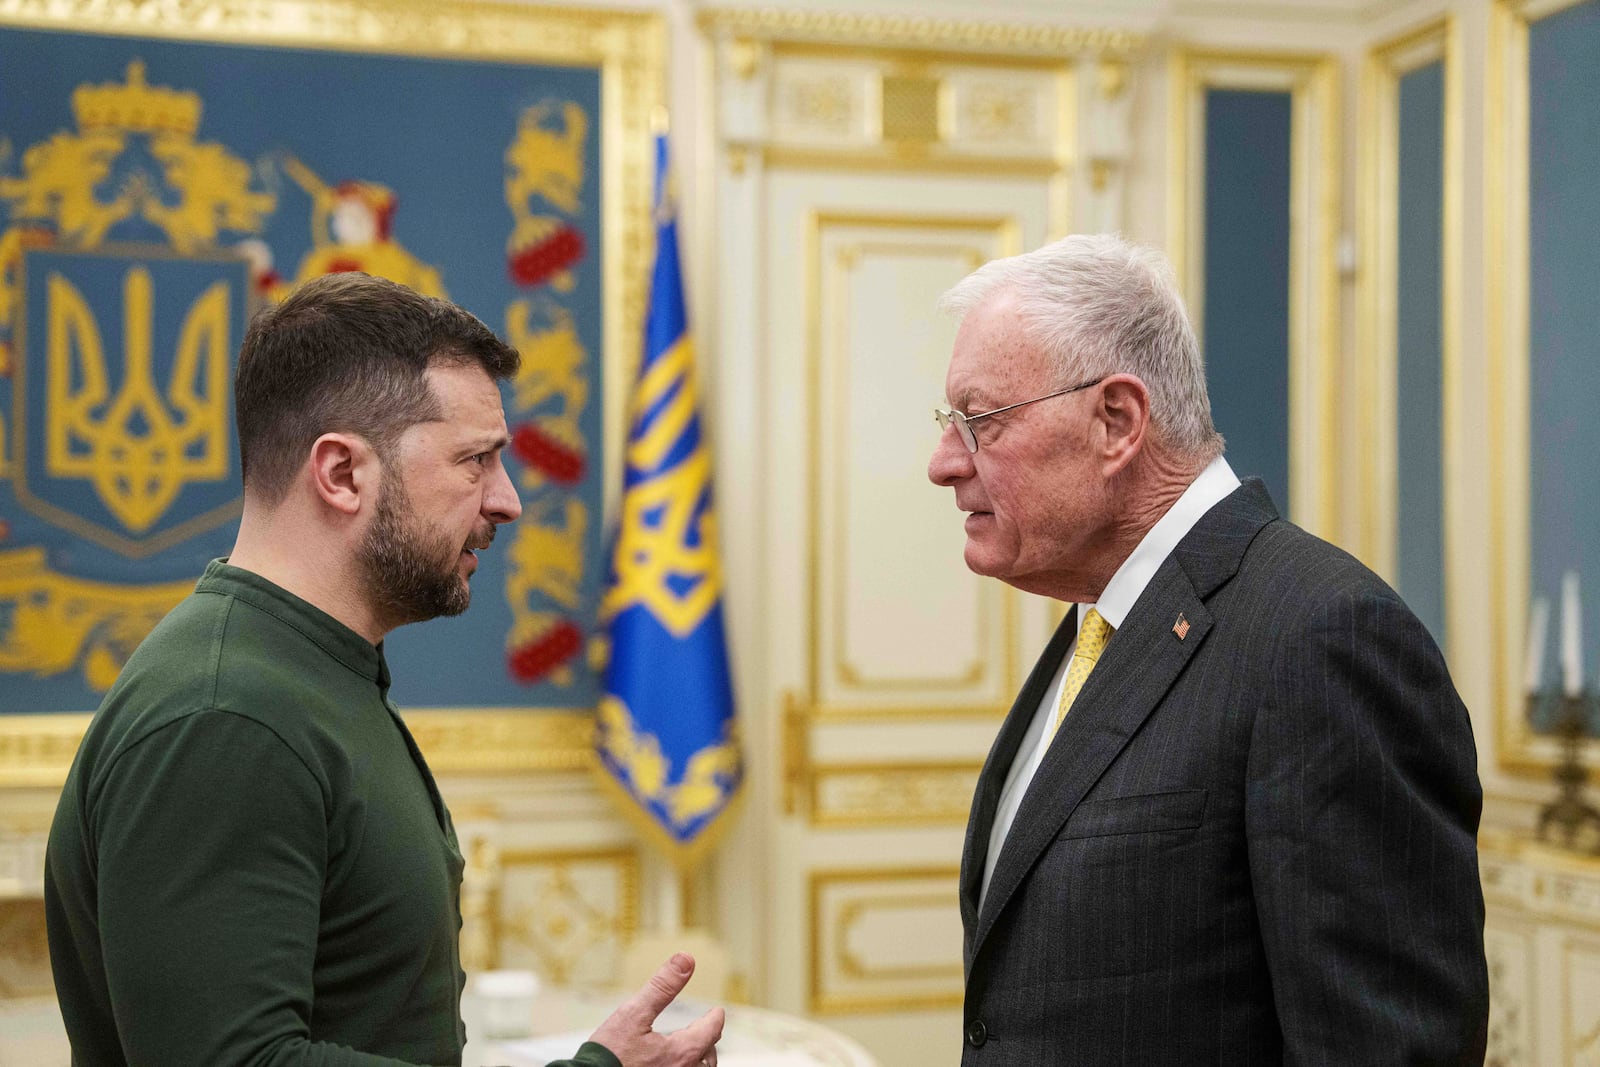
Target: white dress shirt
(1116, 600)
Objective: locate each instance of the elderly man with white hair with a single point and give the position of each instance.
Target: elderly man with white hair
(1231, 816)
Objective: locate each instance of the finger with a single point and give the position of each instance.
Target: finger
(664, 986)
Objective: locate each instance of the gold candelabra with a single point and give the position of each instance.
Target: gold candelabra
(1569, 814)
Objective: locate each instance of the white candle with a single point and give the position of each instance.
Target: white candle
(1538, 630)
(1571, 636)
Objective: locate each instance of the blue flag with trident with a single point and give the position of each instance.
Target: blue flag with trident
(665, 733)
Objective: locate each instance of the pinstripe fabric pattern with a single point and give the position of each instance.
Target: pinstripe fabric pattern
(1255, 845)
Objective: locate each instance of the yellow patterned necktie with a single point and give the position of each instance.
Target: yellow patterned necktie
(1092, 638)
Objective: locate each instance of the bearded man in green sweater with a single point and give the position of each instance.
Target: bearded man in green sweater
(251, 863)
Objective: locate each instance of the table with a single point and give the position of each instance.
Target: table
(31, 1033)
(753, 1037)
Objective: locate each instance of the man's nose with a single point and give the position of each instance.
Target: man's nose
(950, 461)
(501, 503)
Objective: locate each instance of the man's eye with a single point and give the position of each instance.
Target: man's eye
(481, 458)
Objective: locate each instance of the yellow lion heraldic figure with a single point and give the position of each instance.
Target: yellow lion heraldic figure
(549, 164)
(553, 365)
(545, 558)
(545, 163)
(60, 176)
(215, 196)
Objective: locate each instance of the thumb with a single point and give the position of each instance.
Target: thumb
(701, 1035)
(664, 986)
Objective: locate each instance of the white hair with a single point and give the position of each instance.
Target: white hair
(1097, 305)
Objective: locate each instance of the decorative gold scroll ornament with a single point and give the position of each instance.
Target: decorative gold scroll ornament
(57, 619)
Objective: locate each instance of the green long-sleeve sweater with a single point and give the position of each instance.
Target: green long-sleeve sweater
(250, 863)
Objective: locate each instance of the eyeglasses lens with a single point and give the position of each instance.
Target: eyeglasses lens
(964, 428)
(946, 417)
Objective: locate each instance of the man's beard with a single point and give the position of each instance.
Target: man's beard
(412, 574)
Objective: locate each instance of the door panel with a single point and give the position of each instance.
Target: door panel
(892, 662)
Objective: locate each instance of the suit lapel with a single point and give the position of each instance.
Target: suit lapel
(1139, 666)
(993, 777)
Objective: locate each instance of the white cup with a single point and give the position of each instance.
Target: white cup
(505, 999)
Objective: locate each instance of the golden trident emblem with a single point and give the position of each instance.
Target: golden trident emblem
(137, 448)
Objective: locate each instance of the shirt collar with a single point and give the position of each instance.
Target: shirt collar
(316, 625)
(1205, 492)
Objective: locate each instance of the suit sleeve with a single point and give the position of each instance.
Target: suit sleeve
(211, 841)
(1362, 812)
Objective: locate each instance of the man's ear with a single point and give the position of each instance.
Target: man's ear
(344, 469)
(1124, 414)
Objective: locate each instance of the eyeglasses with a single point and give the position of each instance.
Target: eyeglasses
(946, 417)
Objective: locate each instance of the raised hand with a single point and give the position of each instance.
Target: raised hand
(628, 1034)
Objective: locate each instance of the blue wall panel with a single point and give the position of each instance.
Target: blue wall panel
(1564, 310)
(1246, 340)
(1420, 515)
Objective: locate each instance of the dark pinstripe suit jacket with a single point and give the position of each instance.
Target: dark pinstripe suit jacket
(1254, 845)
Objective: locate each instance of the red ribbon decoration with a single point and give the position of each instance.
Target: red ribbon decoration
(544, 259)
(534, 659)
(556, 460)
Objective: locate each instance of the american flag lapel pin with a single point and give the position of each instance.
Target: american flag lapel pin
(1181, 627)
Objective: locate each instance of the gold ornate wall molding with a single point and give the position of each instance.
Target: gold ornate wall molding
(494, 741)
(448, 28)
(1542, 940)
(1508, 949)
(875, 943)
(864, 93)
(893, 794)
(1541, 880)
(37, 750)
(566, 912)
(854, 30)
